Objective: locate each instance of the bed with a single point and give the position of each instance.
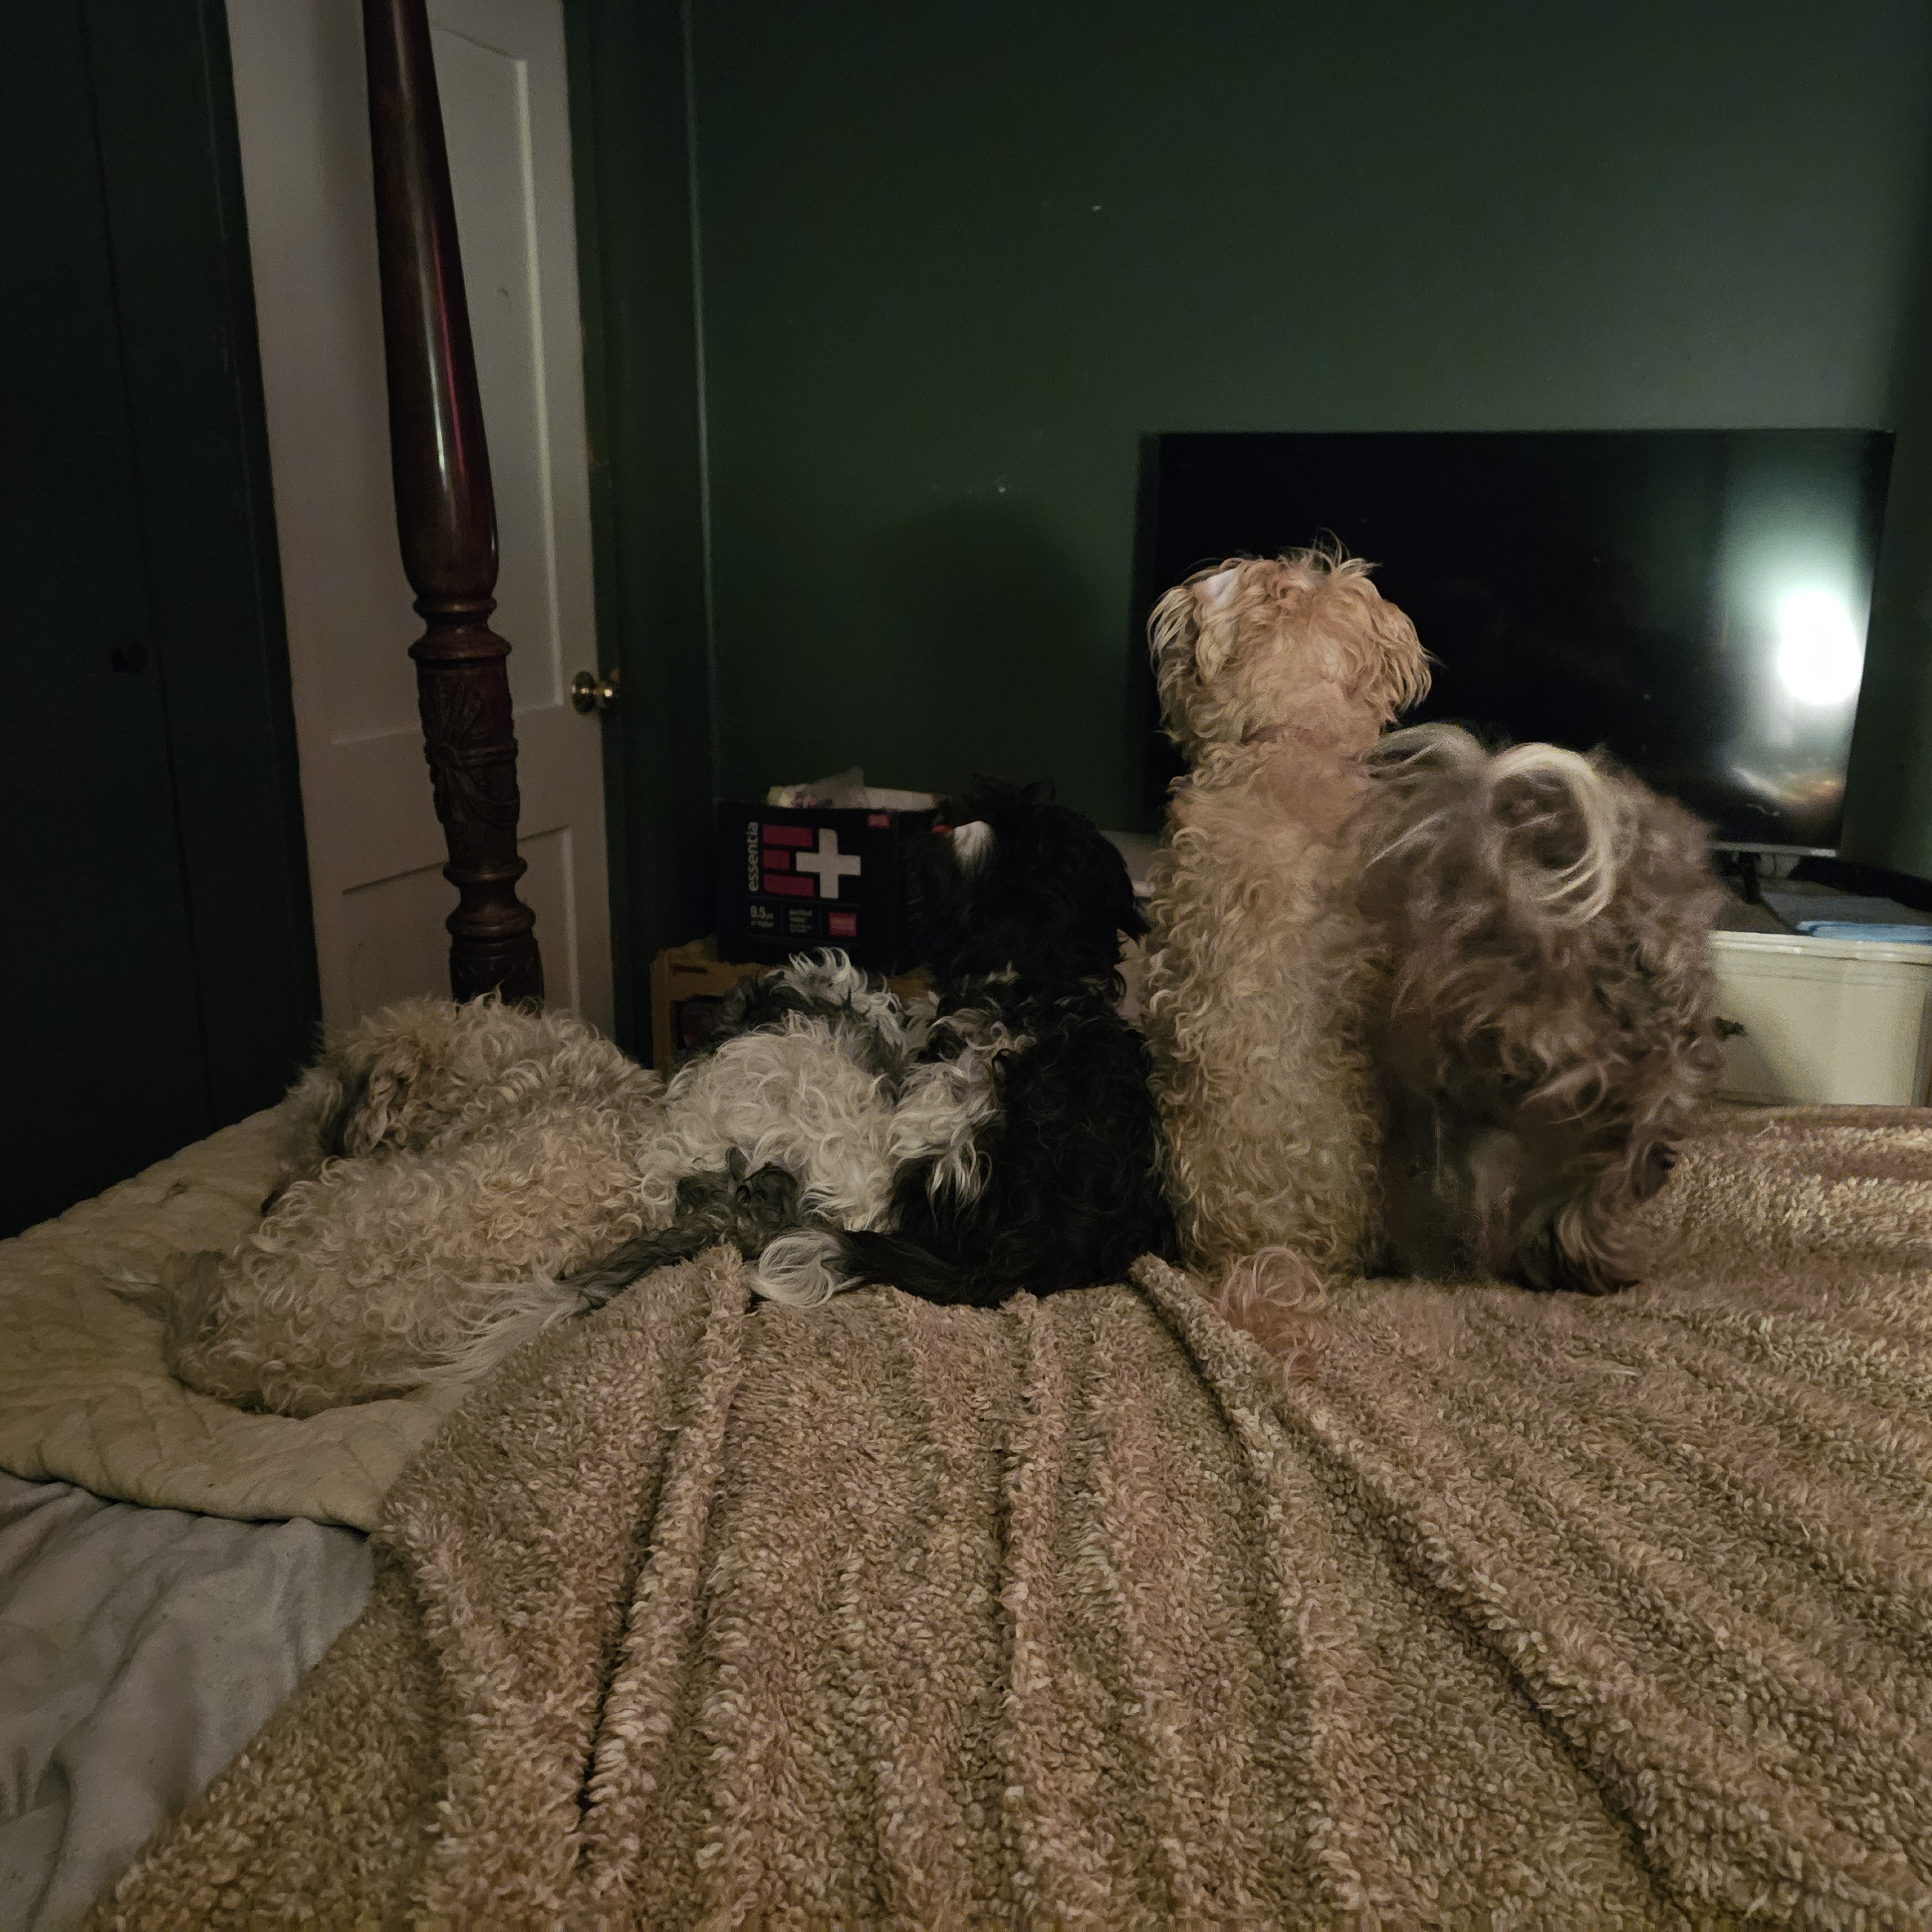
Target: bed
(1486, 1607)
(1478, 1607)
(170, 1567)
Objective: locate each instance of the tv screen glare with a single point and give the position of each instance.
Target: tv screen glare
(1694, 602)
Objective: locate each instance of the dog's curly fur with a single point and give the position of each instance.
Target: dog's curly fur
(1024, 1149)
(1540, 1021)
(444, 1162)
(1415, 1005)
(803, 1072)
(1277, 677)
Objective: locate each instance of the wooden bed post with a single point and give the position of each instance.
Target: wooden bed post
(445, 512)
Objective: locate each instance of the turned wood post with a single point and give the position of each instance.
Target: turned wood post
(445, 513)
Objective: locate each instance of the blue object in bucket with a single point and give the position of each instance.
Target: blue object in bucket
(1847, 928)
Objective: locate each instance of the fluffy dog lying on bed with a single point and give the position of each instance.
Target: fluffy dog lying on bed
(1414, 1005)
(450, 1168)
(1024, 1150)
(1015, 1141)
(437, 1156)
(462, 1176)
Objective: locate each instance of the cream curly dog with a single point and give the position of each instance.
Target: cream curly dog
(1413, 1005)
(442, 1163)
(453, 1175)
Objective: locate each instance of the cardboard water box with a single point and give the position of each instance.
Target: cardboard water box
(793, 877)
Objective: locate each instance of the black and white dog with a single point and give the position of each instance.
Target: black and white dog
(1003, 1137)
(1024, 1150)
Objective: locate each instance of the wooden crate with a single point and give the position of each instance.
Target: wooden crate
(687, 983)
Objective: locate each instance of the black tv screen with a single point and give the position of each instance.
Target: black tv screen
(1693, 602)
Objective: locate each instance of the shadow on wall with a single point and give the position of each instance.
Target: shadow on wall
(1000, 670)
(1888, 795)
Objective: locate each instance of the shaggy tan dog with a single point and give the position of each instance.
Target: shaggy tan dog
(1277, 677)
(1414, 1005)
(440, 1159)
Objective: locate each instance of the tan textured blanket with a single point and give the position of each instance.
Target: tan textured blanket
(1499, 1611)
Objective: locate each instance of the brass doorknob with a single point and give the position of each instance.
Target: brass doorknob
(590, 692)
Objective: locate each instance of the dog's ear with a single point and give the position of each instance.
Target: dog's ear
(1186, 637)
(380, 1110)
(1214, 625)
(1172, 627)
(1651, 1168)
(1401, 678)
(339, 1102)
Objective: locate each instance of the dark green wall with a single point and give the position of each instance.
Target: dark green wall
(956, 257)
(158, 971)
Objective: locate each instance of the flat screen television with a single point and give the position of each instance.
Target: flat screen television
(1694, 601)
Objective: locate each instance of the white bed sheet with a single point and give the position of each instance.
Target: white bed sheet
(140, 1650)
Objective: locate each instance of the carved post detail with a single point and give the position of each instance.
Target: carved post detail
(446, 511)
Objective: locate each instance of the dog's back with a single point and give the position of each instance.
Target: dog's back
(802, 1072)
(1275, 675)
(1252, 982)
(1059, 1183)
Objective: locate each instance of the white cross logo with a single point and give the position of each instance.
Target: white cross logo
(828, 862)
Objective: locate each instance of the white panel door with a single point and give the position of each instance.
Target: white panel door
(375, 849)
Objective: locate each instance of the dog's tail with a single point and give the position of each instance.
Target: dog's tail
(512, 1314)
(810, 1266)
(1552, 827)
(1541, 794)
(599, 1281)
(518, 1312)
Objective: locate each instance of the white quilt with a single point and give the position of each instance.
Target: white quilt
(85, 1397)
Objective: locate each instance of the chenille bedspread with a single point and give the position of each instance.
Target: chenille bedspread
(1492, 1610)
